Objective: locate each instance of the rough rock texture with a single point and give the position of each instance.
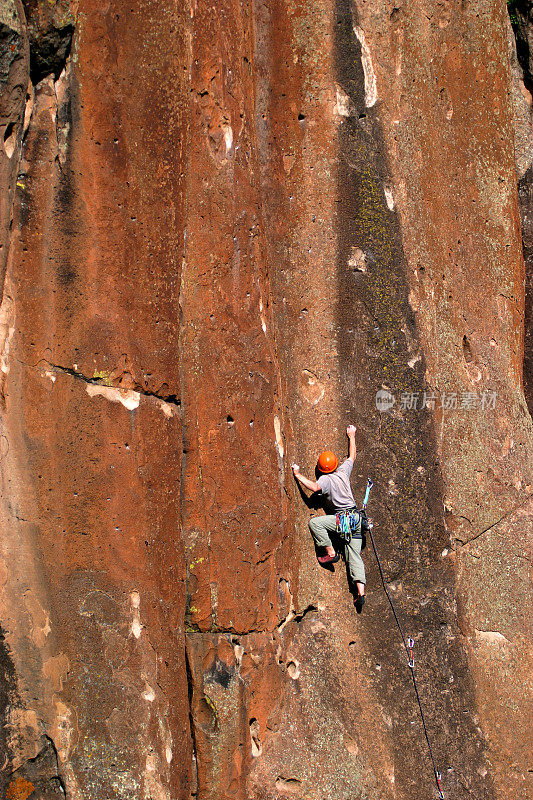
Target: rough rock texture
(226, 228)
(521, 55)
(14, 63)
(525, 193)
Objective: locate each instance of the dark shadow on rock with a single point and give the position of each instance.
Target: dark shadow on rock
(312, 501)
(376, 337)
(8, 700)
(521, 16)
(50, 31)
(525, 197)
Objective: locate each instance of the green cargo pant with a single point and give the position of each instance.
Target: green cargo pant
(321, 527)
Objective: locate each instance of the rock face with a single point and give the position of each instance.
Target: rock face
(225, 228)
(521, 17)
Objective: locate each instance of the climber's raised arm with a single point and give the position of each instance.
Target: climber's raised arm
(309, 484)
(350, 433)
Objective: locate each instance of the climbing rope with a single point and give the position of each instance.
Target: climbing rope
(408, 643)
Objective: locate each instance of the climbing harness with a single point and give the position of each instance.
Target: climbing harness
(348, 526)
(408, 643)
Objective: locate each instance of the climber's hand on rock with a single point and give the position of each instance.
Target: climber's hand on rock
(350, 430)
(295, 469)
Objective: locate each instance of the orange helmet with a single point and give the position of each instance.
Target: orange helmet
(327, 461)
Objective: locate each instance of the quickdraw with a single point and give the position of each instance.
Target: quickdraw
(347, 523)
(408, 644)
(369, 485)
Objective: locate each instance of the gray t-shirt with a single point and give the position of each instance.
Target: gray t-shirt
(336, 487)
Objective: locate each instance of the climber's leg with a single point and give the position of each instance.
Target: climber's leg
(356, 568)
(320, 528)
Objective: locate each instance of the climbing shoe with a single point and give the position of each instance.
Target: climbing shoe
(359, 603)
(328, 559)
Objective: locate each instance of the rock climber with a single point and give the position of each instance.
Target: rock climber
(334, 485)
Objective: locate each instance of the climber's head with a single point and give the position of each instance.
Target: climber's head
(327, 461)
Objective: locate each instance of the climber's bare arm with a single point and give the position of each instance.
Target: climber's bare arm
(350, 432)
(309, 484)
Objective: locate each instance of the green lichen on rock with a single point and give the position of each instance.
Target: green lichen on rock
(103, 376)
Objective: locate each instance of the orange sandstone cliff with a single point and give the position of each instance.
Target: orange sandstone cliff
(223, 228)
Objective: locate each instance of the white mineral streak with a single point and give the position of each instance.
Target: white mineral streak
(228, 136)
(293, 668)
(357, 260)
(167, 409)
(127, 397)
(148, 694)
(492, 637)
(7, 329)
(279, 438)
(371, 91)
(62, 731)
(262, 315)
(344, 104)
(153, 786)
(136, 626)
